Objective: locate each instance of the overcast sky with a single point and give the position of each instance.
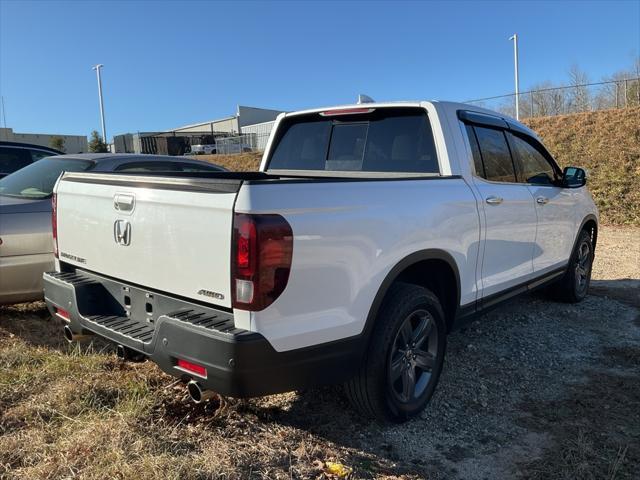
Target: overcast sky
(172, 63)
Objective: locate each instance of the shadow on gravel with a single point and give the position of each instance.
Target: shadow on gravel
(595, 427)
(625, 290)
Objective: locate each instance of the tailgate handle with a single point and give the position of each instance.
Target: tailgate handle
(124, 202)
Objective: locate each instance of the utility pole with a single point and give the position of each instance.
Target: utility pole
(514, 37)
(104, 130)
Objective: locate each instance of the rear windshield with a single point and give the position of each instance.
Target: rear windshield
(37, 180)
(384, 140)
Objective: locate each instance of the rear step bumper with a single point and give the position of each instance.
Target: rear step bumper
(238, 362)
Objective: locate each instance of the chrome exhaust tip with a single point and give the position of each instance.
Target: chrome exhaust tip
(197, 393)
(71, 336)
(120, 352)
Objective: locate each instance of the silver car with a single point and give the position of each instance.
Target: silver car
(26, 242)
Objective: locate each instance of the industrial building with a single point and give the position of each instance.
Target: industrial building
(179, 140)
(72, 143)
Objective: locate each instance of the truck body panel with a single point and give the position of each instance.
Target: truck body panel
(347, 200)
(367, 229)
(171, 231)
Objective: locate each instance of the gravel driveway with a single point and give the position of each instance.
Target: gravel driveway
(534, 389)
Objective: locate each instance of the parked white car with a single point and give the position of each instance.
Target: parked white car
(371, 231)
(203, 149)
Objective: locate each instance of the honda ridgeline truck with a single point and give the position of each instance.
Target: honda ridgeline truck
(369, 233)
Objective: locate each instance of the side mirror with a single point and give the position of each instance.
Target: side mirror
(574, 177)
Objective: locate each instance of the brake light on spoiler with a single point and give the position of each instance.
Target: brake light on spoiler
(261, 259)
(345, 111)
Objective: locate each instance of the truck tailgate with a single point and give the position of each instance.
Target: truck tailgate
(163, 233)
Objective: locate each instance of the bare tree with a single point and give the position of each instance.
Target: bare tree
(578, 100)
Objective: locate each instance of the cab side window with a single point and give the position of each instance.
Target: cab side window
(496, 156)
(531, 165)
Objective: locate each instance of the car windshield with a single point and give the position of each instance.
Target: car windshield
(37, 180)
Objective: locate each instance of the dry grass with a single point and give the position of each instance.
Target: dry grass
(605, 142)
(241, 162)
(608, 144)
(68, 411)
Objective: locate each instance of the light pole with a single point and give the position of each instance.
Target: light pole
(104, 131)
(514, 37)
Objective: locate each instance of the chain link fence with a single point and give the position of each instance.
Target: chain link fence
(551, 101)
(248, 142)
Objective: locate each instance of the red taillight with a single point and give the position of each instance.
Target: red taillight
(54, 223)
(263, 248)
(246, 247)
(192, 367)
(63, 313)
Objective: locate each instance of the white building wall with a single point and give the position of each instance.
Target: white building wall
(252, 115)
(229, 125)
(72, 143)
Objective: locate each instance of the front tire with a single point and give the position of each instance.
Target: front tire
(404, 359)
(574, 285)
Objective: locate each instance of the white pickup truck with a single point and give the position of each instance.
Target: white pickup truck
(369, 233)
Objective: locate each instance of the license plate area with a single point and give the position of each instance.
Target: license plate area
(139, 304)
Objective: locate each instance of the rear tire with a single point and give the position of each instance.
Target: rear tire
(403, 362)
(574, 285)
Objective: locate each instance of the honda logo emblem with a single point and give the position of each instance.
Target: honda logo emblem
(122, 232)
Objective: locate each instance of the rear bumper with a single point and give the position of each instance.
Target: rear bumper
(238, 363)
(21, 277)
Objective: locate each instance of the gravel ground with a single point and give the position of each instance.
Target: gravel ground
(503, 370)
(534, 389)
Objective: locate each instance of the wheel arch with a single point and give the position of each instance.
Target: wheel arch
(412, 269)
(590, 224)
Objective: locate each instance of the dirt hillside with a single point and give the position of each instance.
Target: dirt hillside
(607, 143)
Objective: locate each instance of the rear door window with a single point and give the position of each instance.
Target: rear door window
(496, 156)
(383, 140)
(475, 152)
(12, 159)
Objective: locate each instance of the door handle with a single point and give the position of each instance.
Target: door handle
(542, 200)
(493, 200)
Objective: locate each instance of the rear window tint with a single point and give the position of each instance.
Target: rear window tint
(385, 140)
